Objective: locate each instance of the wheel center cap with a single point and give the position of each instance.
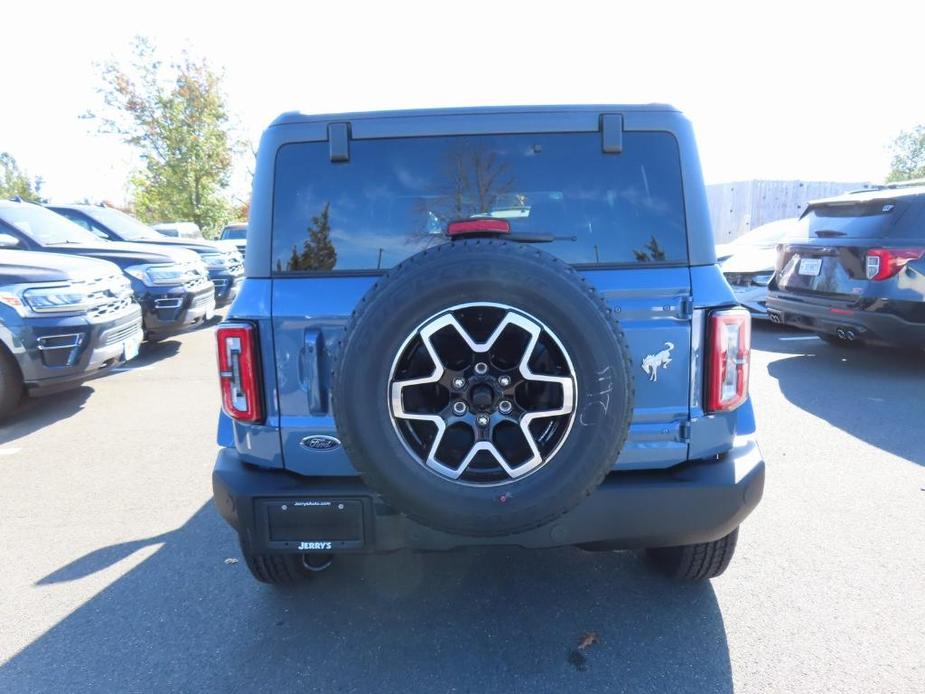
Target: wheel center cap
(482, 396)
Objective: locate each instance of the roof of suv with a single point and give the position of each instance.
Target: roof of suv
(880, 193)
(291, 117)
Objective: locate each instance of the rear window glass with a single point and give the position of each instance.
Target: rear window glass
(395, 197)
(869, 219)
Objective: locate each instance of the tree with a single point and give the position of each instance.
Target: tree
(176, 117)
(908, 155)
(15, 182)
(471, 182)
(318, 252)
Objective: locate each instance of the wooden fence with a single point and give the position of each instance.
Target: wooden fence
(743, 205)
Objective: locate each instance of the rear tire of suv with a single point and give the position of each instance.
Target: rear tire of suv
(11, 386)
(695, 562)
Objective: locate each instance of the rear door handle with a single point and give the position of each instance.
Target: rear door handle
(317, 395)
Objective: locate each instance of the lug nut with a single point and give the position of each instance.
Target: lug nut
(459, 382)
(481, 368)
(482, 419)
(505, 406)
(504, 381)
(459, 408)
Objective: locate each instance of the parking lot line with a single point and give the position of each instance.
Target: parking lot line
(133, 368)
(801, 337)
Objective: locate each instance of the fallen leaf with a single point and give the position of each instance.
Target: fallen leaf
(231, 560)
(589, 639)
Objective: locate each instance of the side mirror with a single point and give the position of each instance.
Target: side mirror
(8, 241)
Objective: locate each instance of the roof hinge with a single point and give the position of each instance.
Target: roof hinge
(339, 141)
(611, 133)
(686, 307)
(684, 431)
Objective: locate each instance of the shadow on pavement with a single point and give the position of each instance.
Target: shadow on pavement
(153, 352)
(485, 620)
(848, 387)
(767, 337)
(36, 413)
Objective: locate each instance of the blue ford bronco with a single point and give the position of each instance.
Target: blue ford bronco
(488, 326)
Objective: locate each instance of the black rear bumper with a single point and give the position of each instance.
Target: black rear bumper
(696, 502)
(827, 317)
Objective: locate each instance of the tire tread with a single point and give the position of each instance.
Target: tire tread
(277, 569)
(696, 562)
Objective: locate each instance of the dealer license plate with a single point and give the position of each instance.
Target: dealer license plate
(810, 266)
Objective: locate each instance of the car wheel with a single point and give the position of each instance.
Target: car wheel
(695, 562)
(483, 388)
(11, 385)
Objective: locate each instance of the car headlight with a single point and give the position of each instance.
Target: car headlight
(156, 275)
(56, 299)
(213, 261)
(762, 280)
(62, 299)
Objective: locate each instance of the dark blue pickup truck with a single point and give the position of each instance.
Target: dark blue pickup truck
(489, 326)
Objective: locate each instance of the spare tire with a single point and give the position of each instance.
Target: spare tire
(482, 387)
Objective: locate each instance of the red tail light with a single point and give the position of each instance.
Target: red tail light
(729, 344)
(478, 226)
(883, 263)
(238, 371)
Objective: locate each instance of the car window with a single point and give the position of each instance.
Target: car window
(395, 197)
(126, 226)
(234, 234)
(82, 221)
(45, 227)
(866, 219)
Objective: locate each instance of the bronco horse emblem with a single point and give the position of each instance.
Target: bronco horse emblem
(653, 361)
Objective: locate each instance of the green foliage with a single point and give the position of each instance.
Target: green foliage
(908, 155)
(318, 252)
(177, 119)
(15, 182)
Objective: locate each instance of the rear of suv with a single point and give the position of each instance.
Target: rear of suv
(856, 271)
(495, 326)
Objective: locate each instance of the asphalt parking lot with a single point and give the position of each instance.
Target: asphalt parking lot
(114, 573)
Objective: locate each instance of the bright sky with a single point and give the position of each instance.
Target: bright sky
(779, 90)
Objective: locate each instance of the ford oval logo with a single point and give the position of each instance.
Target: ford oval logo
(320, 442)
